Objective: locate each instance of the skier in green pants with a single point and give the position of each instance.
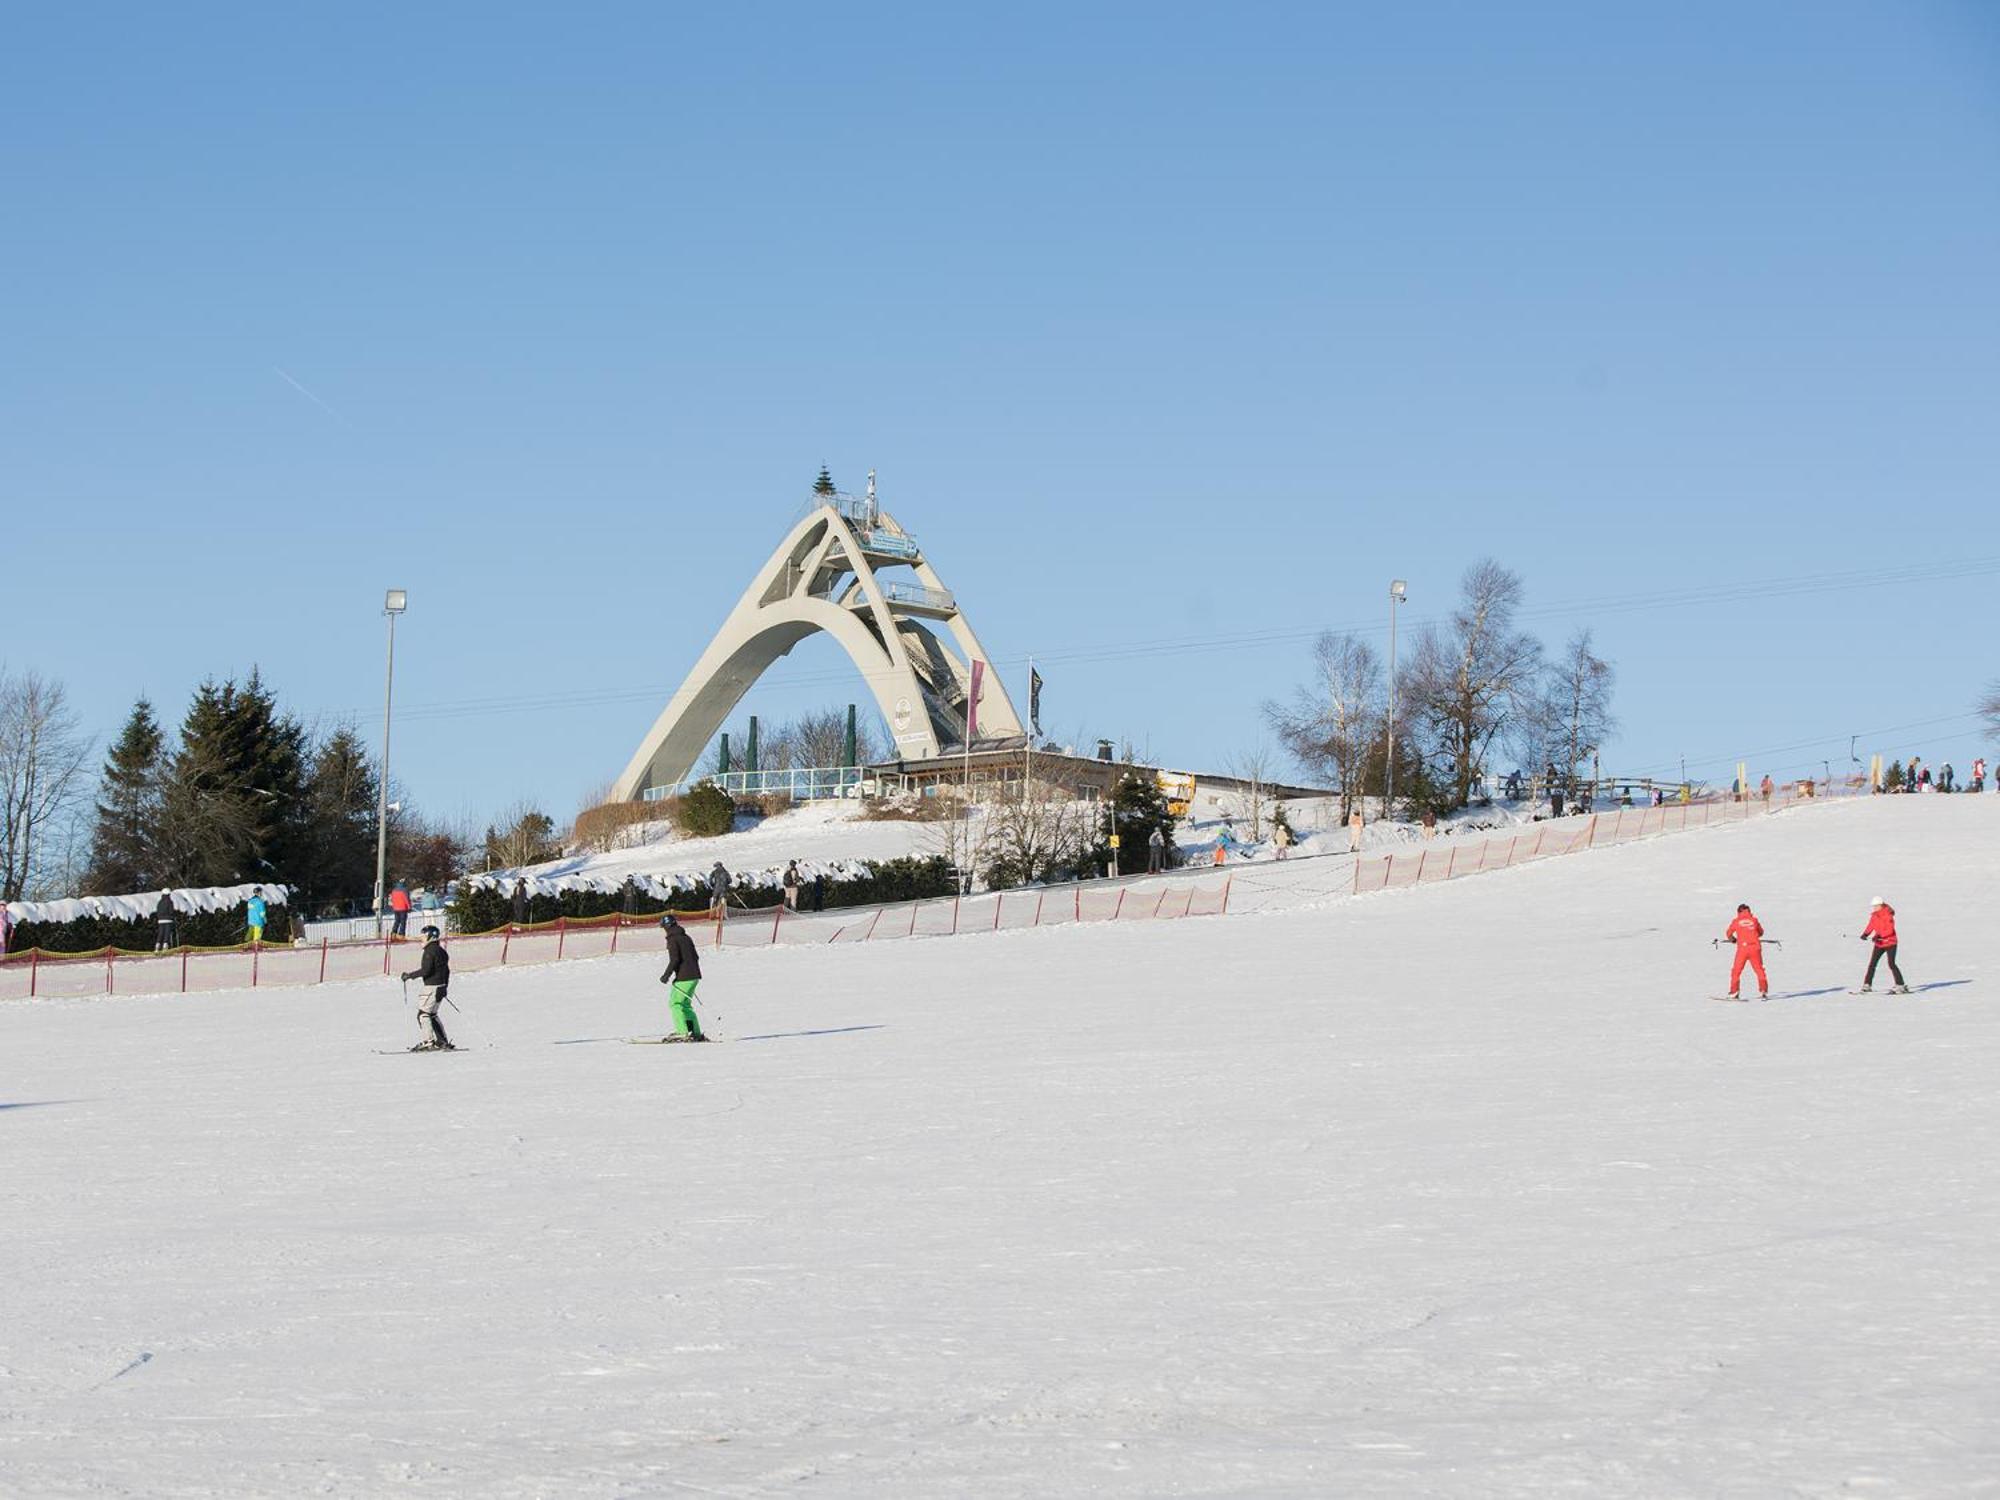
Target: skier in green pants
(684, 974)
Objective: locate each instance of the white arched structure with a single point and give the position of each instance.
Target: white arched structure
(827, 575)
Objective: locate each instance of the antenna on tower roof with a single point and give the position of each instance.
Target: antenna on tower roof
(871, 484)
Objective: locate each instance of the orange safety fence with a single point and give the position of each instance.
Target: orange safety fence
(39, 975)
(1437, 860)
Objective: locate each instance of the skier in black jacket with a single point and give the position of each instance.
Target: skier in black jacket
(435, 972)
(684, 974)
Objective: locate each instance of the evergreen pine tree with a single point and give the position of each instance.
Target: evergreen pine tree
(234, 799)
(1138, 806)
(123, 856)
(333, 858)
(824, 484)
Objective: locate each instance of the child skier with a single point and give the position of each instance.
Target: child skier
(1881, 929)
(435, 971)
(254, 914)
(1747, 933)
(684, 974)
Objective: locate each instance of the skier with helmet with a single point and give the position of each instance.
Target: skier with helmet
(434, 970)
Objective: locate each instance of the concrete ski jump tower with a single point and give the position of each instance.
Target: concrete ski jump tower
(827, 574)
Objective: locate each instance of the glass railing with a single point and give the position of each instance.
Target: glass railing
(800, 783)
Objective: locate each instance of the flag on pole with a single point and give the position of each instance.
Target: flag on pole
(1034, 700)
(972, 702)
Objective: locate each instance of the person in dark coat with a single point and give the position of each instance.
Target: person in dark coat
(819, 892)
(520, 902)
(434, 969)
(684, 975)
(165, 915)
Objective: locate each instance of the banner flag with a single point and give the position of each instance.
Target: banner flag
(1034, 700)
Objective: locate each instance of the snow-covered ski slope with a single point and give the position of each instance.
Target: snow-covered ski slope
(1461, 1191)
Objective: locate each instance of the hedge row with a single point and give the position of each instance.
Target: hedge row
(482, 909)
(202, 929)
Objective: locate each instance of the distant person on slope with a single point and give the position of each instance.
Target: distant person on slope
(399, 904)
(520, 903)
(1156, 851)
(792, 881)
(1881, 930)
(684, 975)
(165, 916)
(1747, 933)
(434, 970)
(255, 914)
(718, 890)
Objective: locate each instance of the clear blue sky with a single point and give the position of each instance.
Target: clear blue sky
(1160, 323)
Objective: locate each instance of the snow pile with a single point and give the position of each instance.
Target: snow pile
(141, 906)
(1468, 1191)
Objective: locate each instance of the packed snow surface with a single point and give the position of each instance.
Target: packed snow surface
(1463, 1191)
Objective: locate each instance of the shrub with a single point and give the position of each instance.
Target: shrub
(203, 929)
(705, 811)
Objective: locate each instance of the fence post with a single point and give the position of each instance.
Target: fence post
(1227, 882)
(1161, 902)
(110, 988)
(954, 913)
(506, 943)
(1422, 855)
(1590, 837)
(1540, 834)
(999, 900)
(1451, 863)
(617, 926)
(871, 926)
(777, 916)
(184, 968)
(322, 964)
(1119, 909)
(913, 919)
(1042, 896)
(256, 952)
(1388, 870)
(1079, 901)
(34, 969)
(562, 933)
(385, 956)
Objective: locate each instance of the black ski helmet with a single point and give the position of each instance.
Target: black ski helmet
(431, 932)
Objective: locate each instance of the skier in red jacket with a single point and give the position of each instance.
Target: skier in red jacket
(1881, 929)
(1747, 933)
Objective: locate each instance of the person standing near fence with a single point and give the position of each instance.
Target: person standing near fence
(255, 913)
(684, 976)
(1156, 850)
(520, 902)
(165, 916)
(434, 970)
(1747, 933)
(399, 906)
(718, 890)
(1881, 930)
(792, 880)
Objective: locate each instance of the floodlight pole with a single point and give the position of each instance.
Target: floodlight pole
(1398, 592)
(394, 602)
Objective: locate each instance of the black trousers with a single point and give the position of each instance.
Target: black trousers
(1876, 957)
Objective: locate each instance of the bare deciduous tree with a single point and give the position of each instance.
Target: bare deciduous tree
(1334, 724)
(1040, 835)
(42, 760)
(1989, 708)
(1471, 676)
(1577, 702)
(1252, 801)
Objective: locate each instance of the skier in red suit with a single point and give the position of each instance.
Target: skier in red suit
(1747, 933)
(1882, 929)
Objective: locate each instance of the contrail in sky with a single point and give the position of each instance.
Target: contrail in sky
(284, 376)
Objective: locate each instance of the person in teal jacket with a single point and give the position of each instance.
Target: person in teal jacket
(256, 914)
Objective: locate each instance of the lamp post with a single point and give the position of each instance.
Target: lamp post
(393, 603)
(1398, 592)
